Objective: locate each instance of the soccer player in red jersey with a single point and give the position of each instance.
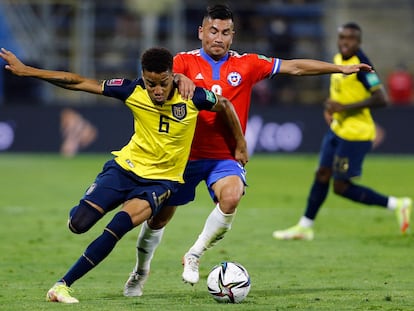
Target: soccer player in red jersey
(233, 75)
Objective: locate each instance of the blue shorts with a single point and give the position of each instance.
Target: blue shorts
(114, 185)
(208, 170)
(343, 156)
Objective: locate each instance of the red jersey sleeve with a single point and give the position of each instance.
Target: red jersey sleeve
(179, 64)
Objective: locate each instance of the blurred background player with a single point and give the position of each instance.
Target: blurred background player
(149, 168)
(230, 74)
(349, 139)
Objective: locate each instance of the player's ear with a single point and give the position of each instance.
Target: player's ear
(200, 32)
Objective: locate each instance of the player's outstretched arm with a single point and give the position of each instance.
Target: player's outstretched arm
(67, 80)
(303, 67)
(225, 107)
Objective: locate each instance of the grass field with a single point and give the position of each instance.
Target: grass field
(358, 260)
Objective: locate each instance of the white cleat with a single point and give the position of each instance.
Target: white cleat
(135, 284)
(190, 274)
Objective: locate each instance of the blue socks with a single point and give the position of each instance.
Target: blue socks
(100, 248)
(356, 193)
(317, 196)
(365, 195)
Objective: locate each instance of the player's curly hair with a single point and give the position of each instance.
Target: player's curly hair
(219, 11)
(157, 60)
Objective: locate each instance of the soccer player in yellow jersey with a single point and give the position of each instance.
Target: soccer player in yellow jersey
(349, 139)
(145, 172)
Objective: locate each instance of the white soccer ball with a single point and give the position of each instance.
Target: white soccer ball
(228, 282)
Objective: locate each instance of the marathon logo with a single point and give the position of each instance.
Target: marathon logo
(115, 82)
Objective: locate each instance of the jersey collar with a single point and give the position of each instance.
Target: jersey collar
(211, 60)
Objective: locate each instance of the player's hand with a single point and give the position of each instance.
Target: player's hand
(241, 153)
(356, 68)
(186, 86)
(332, 106)
(327, 116)
(14, 65)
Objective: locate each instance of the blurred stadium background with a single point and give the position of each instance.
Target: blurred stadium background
(104, 39)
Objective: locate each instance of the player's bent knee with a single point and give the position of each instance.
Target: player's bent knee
(161, 219)
(229, 205)
(83, 217)
(156, 224)
(340, 187)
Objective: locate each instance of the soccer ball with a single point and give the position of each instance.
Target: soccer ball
(228, 282)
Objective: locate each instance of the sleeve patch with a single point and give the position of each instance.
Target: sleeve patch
(264, 58)
(115, 82)
(210, 96)
(373, 79)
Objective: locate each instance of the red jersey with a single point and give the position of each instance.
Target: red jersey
(232, 77)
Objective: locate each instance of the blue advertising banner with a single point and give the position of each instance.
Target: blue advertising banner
(71, 130)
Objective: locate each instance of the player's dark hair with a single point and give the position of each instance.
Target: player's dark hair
(157, 60)
(352, 25)
(219, 11)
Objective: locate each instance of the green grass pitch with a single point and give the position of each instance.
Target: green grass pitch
(358, 260)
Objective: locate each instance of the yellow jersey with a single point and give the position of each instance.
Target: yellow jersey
(356, 124)
(160, 145)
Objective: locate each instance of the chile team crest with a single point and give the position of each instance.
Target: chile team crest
(179, 111)
(234, 78)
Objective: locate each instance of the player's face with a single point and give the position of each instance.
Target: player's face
(348, 41)
(158, 85)
(216, 36)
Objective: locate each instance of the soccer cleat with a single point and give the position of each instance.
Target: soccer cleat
(190, 274)
(294, 233)
(403, 212)
(135, 284)
(60, 293)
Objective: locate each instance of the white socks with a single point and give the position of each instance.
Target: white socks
(147, 243)
(392, 203)
(305, 222)
(216, 225)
